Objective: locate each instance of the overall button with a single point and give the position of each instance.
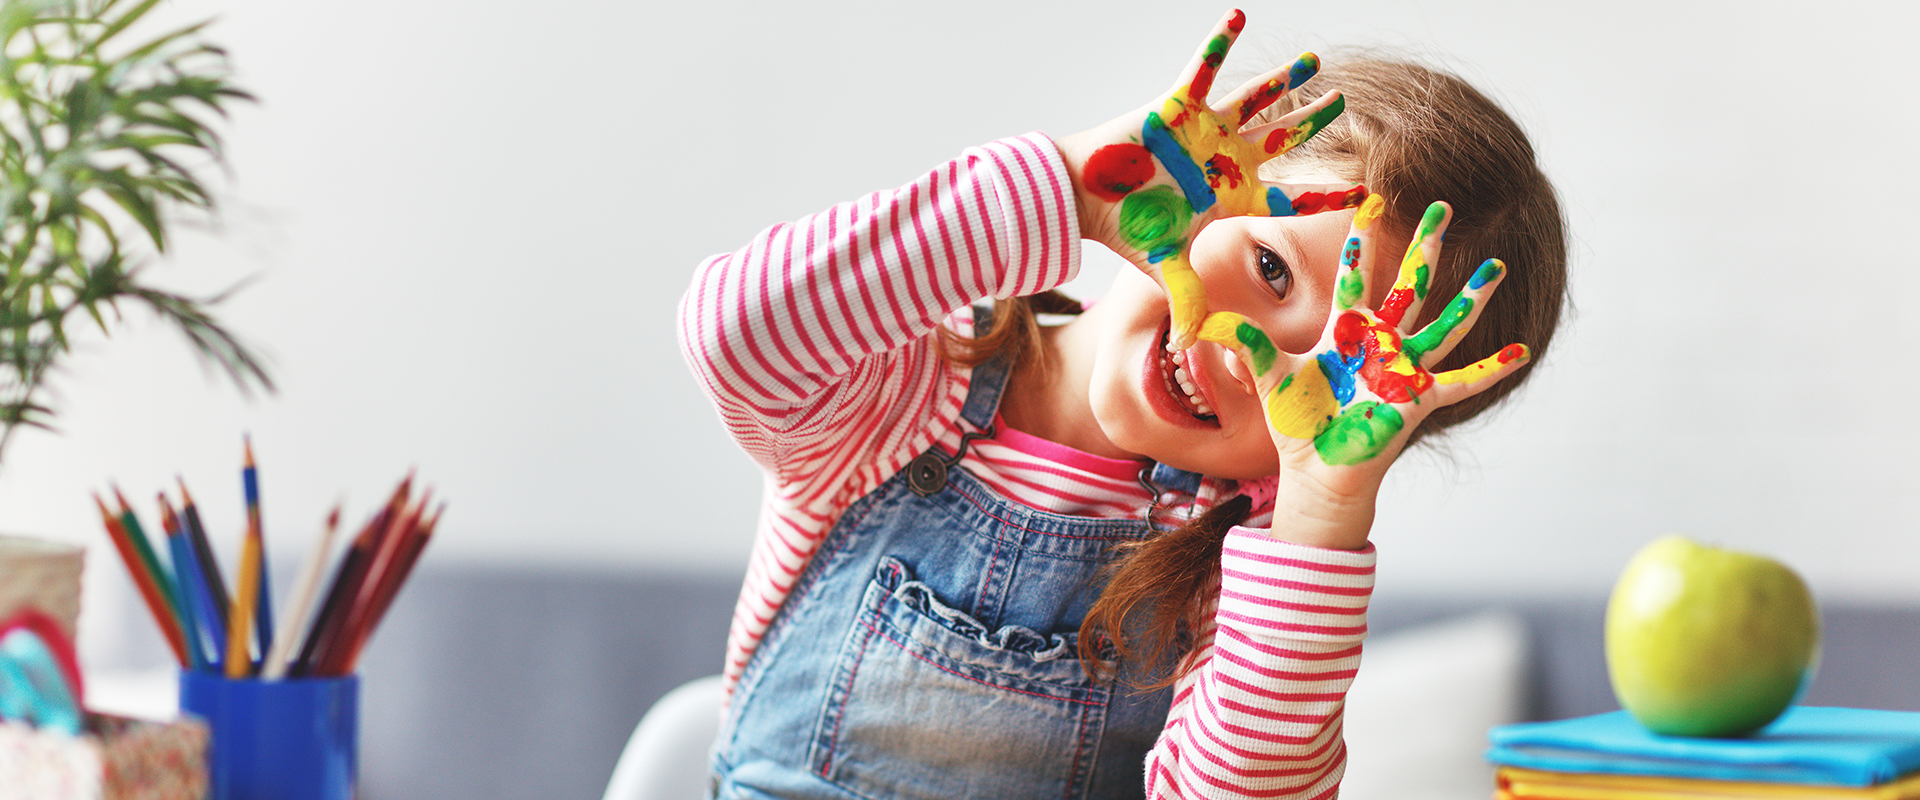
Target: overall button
(926, 474)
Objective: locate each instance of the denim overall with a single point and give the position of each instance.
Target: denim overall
(930, 650)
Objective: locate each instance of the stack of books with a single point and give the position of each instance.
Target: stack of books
(1809, 752)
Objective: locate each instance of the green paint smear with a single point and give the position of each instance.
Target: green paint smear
(1430, 220)
(1352, 285)
(1324, 117)
(1437, 331)
(1217, 49)
(1359, 433)
(1259, 348)
(1154, 218)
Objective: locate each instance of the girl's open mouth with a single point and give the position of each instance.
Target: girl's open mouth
(1180, 392)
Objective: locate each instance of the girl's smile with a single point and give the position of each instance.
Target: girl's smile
(1196, 409)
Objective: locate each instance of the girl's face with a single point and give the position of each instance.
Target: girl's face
(1278, 272)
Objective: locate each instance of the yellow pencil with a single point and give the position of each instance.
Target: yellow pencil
(246, 592)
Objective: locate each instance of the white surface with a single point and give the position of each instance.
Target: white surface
(469, 222)
(142, 694)
(1419, 712)
(667, 757)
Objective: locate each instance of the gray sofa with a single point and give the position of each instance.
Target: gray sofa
(487, 682)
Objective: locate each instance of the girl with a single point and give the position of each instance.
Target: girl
(998, 559)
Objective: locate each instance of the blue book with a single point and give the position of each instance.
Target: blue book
(1806, 745)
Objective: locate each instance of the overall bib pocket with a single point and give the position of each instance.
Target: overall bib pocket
(926, 701)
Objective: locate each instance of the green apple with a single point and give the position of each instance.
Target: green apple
(1703, 641)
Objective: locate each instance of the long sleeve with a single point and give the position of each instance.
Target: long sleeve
(811, 339)
(800, 334)
(1259, 715)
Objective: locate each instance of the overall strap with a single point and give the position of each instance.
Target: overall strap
(1179, 480)
(927, 473)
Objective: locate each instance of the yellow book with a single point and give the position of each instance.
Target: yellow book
(1514, 783)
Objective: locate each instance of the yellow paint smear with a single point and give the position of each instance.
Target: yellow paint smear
(1303, 407)
(1369, 212)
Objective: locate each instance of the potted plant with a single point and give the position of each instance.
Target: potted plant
(104, 136)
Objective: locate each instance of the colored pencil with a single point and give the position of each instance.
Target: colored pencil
(216, 583)
(245, 604)
(144, 581)
(395, 544)
(280, 658)
(417, 541)
(256, 531)
(162, 577)
(186, 572)
(346, 579)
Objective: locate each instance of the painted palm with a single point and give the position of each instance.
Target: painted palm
(1181, 163)
(1365, 385)
(101, 134)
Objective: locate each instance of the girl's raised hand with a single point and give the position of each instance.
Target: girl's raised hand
(1148, 181)
(1341, 413)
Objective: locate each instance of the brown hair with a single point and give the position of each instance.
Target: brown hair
(1412, 134)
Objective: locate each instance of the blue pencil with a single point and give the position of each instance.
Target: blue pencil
(187, 588)
(263, 608)
(213, 585)
(195, 593)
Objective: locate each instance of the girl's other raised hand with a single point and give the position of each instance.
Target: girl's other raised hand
(1341, 413)
(1148, 181)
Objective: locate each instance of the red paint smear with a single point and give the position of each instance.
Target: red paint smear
(1394, 308)
(1277, 138)
(1512, 353)
(1349, 333)
(1203, 80)
(1316, 202)
(1239, 21)
(1260, 100)
(1354, 333)
(1114, 171)
(1223, 166)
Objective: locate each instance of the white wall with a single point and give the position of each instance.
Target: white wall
(469, 222)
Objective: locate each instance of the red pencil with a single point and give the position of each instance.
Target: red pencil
(329, 626)
(146, 581)
(408, 540)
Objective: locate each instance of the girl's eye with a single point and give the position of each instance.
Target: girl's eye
(1274, 270)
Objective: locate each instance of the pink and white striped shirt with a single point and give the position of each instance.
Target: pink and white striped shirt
(812, 343)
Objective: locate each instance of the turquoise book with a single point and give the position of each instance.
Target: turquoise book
(1806, 745)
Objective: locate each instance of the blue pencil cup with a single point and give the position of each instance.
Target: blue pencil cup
(293, 739)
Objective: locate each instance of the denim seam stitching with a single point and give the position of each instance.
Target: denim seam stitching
(1017, 526)
(831, 745)
(873, 625)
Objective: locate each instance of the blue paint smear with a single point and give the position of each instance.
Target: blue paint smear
(1278, 203)
(1301, 72)
(1160, 254)
(1340, 372)
(1489, 269)
(1350, 255)
(1192, 180)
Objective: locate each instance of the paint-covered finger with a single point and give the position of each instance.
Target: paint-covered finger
(1437, 339)
(1350, 287)
(1197, 80)
(1456, 385)
(1296, 199)
(1416, 269)
(1186, 300)
(1299, 125)
(1255, 95)
(1298, 404)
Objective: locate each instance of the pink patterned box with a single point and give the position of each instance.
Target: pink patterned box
(115, 758)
